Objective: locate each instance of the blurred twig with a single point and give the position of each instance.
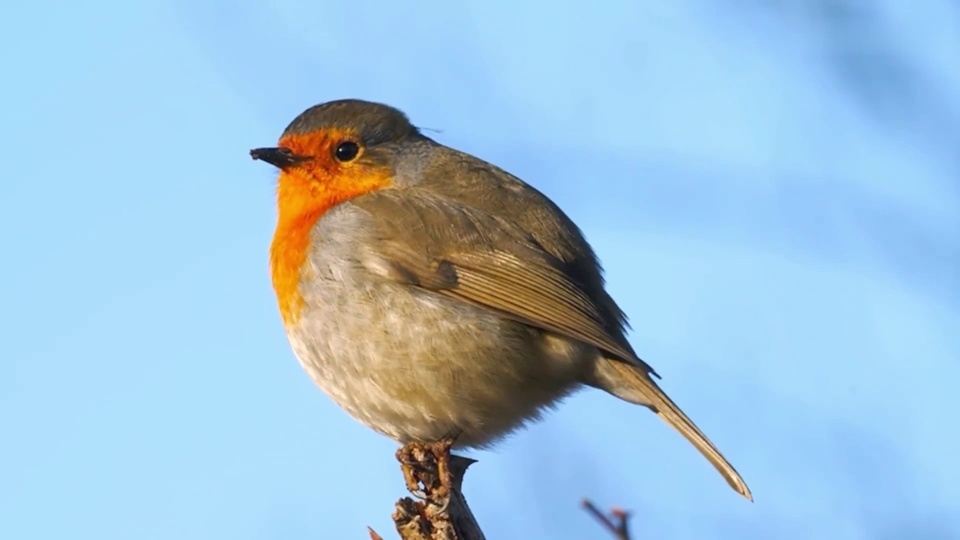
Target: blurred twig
(615, 522)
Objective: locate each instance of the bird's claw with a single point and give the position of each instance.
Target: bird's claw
(441, 456)
(408, 466)
(415, 459)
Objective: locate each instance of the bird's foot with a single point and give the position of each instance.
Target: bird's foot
(426, 469)
(441, 457)
(410, 466)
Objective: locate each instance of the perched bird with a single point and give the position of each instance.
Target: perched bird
(435, 297)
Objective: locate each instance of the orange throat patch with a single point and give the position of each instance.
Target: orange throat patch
(304, 195)
(288, 255)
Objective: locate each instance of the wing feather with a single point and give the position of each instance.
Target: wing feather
(467, 253)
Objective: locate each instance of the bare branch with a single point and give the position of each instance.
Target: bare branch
(615, 522)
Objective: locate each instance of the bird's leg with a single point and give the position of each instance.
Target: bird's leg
(409, 464)
(441, 455)
(426, 468)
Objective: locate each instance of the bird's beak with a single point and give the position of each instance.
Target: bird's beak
(278, 157)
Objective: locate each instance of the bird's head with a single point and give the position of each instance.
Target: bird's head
(334, 152)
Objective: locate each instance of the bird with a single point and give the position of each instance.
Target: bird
(435, 297)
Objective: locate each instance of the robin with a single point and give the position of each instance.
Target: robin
(435, 297)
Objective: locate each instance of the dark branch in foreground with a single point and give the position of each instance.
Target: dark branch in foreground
(615, 522)
(441, 513)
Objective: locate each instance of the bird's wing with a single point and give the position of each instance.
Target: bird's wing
(467, 253)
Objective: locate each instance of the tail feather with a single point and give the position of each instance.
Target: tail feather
(629, 383)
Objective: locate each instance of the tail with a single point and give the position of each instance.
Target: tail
(629, 383)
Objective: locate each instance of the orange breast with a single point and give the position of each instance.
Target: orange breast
(304, 195)
(288, 254)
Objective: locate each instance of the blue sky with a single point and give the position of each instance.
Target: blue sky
(772, 186)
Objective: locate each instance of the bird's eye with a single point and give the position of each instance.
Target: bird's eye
(347, 150)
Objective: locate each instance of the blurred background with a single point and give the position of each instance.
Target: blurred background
(773, 187)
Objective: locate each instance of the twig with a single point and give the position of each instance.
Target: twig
(441, 514)
(615, 523)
